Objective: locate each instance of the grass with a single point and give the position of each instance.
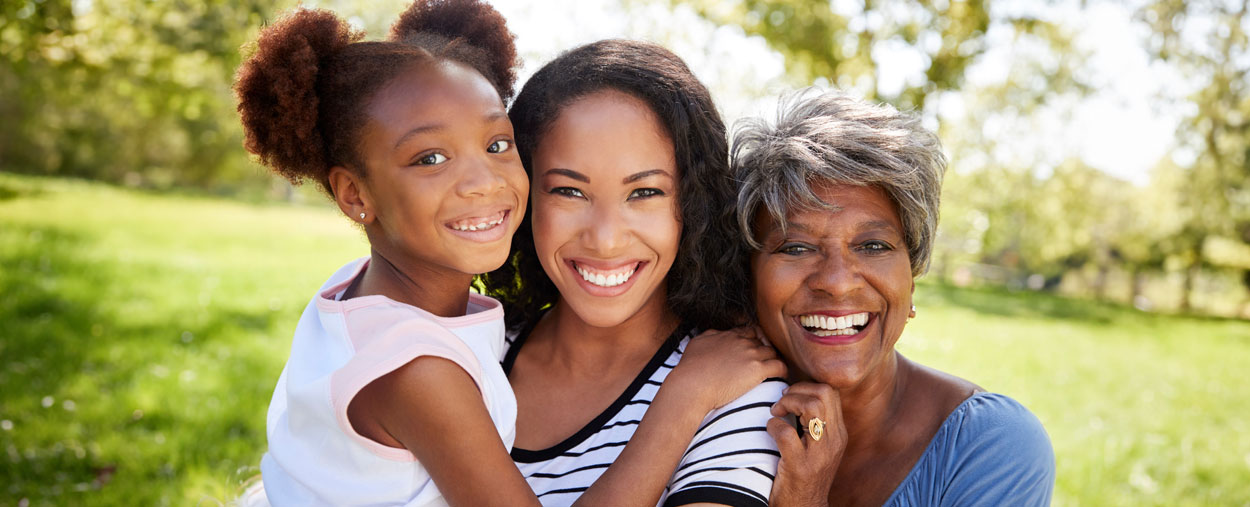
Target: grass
(141, 335)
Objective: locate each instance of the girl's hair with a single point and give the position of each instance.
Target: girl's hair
(303, 92)
(707, 283)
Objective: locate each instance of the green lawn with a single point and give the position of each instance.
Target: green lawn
(141, 335)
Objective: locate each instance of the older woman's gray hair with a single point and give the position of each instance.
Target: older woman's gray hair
(823, 136)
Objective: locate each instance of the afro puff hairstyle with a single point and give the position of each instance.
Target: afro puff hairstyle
(302, 93)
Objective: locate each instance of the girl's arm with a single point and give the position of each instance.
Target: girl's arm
(716, 368)
(433, 408)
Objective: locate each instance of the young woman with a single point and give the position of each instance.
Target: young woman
(629, 250)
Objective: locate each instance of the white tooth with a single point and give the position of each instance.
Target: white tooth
(843, 322)
(824, 323)
(611, 281)
(805, 320)
(861, 319)
(600, 279)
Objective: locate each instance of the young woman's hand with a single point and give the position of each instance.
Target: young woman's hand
(719, 366)
(808, 464)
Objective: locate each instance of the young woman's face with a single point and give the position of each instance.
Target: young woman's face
(833, 292)
(605, 213)
(447, 186)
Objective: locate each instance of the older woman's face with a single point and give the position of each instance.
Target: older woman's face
(834, 291)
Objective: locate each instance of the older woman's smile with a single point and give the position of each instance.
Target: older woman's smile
(835, 328)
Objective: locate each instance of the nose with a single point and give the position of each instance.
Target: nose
(607, 230)
(479, 178)
(837, 274)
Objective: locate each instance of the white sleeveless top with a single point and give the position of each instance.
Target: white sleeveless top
(315, 457)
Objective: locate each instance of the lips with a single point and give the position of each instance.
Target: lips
(605, 279)
(482, 228)
(835, 329)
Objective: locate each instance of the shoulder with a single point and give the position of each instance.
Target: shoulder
(993, 450)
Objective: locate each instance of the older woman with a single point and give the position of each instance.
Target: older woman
(839, 201)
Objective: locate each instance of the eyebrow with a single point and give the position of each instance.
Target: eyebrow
(640, 175)
(490, 117)
(568, 173)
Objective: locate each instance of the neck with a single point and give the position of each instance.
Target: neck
(442, 292)
(583, 345)
(870, 409)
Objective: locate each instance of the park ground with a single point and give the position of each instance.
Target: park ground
(141, 336)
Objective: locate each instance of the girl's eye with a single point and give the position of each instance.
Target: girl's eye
(643, 193)
(793, 249)
(567, 192)
(431, 159)
(499, 146)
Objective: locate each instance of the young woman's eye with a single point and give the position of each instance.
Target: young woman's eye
(431, 159)
(567, 192)
(643, 193)
(499, 146)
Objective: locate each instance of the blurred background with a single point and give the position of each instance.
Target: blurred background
(1093, 258)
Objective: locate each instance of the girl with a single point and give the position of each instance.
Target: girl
(630, 245)
(393, 393)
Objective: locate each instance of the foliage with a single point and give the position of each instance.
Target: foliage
(144, 335)
(1209, 42)
(125, 90)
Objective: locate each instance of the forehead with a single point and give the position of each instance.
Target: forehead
(850, 206)
(606, 130)
(433, 91)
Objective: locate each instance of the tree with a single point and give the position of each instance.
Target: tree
(1208, 41)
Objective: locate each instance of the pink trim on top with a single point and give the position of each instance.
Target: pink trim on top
(385, 354)
(325, 302)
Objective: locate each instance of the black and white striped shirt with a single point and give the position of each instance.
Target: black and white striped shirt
(731, 461)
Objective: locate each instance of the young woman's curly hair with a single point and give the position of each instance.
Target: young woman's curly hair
(303, 91)
(707, 283)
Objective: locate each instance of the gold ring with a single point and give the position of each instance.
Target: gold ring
(816, 428)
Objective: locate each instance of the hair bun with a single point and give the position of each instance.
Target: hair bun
(472, 21)
(277, 90)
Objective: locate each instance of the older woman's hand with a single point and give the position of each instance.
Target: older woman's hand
(808, 464)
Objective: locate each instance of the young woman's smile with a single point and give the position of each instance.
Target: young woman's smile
(605, 206)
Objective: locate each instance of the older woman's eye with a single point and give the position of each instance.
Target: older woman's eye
(643, 193)
(876, 247)
(793, 249)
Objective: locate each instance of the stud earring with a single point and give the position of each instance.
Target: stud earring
(912, 315)
(362, 217)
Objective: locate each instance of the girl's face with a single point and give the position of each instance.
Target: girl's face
(447, 187)
(605, 214)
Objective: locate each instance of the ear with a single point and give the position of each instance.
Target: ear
(351, 195)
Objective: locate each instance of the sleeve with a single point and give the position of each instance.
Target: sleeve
(385, 351)
(1003, 457)
(732, 459)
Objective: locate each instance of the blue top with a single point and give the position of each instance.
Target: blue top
(989, 451)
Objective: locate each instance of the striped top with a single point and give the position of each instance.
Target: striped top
(731, 461)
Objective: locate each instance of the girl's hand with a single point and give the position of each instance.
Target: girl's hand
(719, 366)
(807, 467)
